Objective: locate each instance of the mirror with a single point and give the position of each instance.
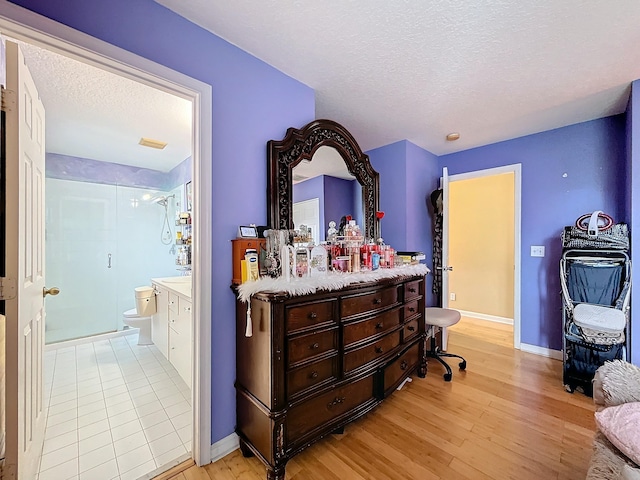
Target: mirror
(324, 191)
(317, 149)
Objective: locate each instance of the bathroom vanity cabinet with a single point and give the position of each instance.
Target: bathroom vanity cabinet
(172, 325)
(319, 361)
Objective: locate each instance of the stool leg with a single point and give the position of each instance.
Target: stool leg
(435, 352)
(462, 364)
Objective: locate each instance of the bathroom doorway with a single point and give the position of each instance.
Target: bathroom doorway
(73, 450)
(112, 224)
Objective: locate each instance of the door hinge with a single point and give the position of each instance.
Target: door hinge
(7, 288)
(8, 100)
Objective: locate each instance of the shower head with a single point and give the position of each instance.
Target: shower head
(162, 200)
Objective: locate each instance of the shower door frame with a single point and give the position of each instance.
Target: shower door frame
(30, 27)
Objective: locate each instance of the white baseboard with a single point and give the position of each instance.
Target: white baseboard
(545, 352)
(224, 447)
(484, 316)
(94, 338)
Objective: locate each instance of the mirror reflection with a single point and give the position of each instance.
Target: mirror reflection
(324, 191)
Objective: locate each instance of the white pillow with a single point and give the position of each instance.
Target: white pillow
(621, 425)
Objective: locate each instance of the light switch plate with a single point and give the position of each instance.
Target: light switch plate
(537, 250)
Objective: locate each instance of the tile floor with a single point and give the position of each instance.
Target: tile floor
(116, 411)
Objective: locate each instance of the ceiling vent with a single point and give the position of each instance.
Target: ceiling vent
(150, 142)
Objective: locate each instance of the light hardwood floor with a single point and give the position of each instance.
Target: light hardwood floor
(506, 417)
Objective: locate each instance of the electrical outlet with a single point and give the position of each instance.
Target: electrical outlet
(537, 250)
(452, 296)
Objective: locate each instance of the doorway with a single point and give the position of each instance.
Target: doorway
(66, 41)
(484, 284)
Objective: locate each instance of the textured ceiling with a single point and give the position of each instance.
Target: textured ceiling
(91, 113)
(420, 69)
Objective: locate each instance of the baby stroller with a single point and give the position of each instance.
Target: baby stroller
(595, 275)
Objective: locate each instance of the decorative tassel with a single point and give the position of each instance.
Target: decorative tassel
(249, 330)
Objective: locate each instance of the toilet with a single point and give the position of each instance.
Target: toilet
(140, 317)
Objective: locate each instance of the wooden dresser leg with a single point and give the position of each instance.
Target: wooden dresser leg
(338, 431)
(275, 473)
(246, 451)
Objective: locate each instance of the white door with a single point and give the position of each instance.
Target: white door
(307, 213)
(25, 411)
(446, 268)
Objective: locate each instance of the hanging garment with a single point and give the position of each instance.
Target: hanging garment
(437, 259)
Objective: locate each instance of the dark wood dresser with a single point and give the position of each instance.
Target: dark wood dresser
(317, 362)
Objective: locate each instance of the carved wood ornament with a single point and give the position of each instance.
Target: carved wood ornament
(298, 145)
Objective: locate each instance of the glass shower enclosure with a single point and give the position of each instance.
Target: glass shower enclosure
(101, 242)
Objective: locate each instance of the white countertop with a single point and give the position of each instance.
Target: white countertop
(180, 285)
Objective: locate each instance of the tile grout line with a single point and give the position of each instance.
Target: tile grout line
(121, 353)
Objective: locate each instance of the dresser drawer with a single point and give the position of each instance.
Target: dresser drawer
(368, 302)
(303, 378)
(358, 331)
(310, 315)
(412, 289)
(396, 370)
(411, 309)
(308, 346)
(363, 355)
(411, 329)
(307, 416)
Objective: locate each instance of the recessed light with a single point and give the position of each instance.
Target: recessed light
(453, 136)
(149, 142)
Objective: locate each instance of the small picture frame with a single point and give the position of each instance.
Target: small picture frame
(247, 231)
(188, 194)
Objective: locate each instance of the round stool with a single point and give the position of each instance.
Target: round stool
(442, 318)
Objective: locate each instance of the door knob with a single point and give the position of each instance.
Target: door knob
(50, 291)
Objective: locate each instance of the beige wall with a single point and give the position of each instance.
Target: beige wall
(481, 244)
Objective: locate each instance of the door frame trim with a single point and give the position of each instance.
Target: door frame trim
(31, 27)
(516, 169)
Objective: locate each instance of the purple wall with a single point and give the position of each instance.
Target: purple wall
(591, 154)
(65, 167)
(252, 103)
(633, 200)
(408, 174)
(339, 201)
(423, 176)
(390, 162)
(180, 174)
(312, 188)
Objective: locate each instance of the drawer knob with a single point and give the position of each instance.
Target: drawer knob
(379, 325)
(377, 301)
(336, 401)
(411, 328)
(313, 315)
(411, 309)
(412, 290)
(379, 350)
(404, 365)
(315, 345)
(314, 375)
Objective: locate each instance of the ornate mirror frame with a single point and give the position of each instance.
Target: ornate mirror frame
(298, 145)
